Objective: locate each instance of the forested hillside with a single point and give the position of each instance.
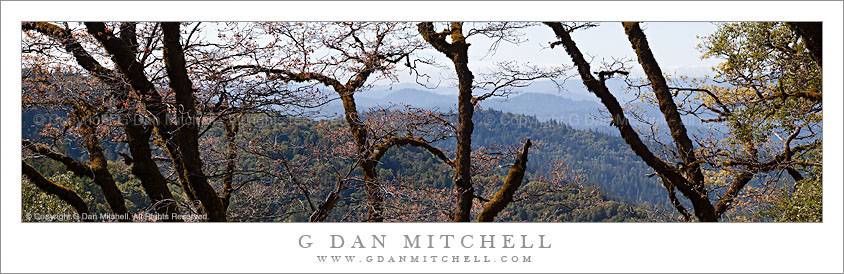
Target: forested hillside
(612, 171)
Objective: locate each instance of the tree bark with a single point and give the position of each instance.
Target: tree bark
(672, 197)
(374, 194)
(97, 171)
(72, 46)
(812, 33)
(457, 51)
(381, 149)
(727, 200)
(231, 129)
(146, 170)
(703, 207)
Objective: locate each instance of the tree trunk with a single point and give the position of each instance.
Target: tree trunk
(463, 161)
(374, 194)
(457, 51)
(698, 194)
(231, 128)
(146, 170)
(187, 135)
(99, 165)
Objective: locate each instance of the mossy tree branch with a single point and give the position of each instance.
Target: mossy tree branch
(65, 194)
(512, 183)
(78, 168)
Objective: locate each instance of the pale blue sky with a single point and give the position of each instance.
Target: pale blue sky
(674, 45)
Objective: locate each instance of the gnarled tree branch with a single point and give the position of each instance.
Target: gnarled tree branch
(666, 102)
(382, 149)
(627, 132)
(78, 168)
(512, 183)
(50, 187)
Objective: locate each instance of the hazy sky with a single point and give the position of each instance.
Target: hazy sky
(674, 45)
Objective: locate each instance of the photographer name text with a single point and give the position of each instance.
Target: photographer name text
(514, 241)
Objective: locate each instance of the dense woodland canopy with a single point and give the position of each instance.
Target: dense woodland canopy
(151, 119)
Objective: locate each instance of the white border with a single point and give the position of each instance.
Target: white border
(272, 247)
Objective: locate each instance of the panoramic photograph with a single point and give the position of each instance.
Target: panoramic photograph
(542, 122)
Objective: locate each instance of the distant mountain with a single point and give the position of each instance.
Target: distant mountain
(546, 107)
(421, 99)
(579, 114)
(570, 89)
